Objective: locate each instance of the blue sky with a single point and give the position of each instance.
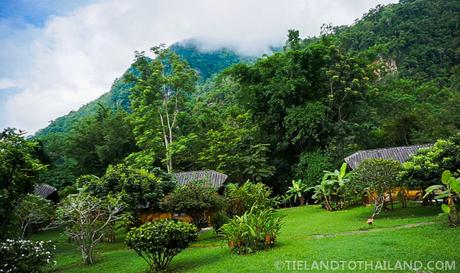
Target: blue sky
(36, 12)
(17, 17)
(57, 55)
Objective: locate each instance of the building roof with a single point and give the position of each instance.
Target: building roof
(44, 190)
(400, 154)
(214, 178)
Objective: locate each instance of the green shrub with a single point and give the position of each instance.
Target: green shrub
(20, 256)
(218, 219)
(194, 199)
(243, 198)
(256, 229)
(158, 242)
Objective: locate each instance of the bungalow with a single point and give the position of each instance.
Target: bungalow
(213, 178)
(401, 154)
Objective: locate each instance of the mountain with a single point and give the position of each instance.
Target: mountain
(206, 63)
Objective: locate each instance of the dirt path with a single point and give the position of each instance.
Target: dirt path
(366, 231)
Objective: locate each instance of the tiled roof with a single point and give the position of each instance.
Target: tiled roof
(44, 190)
(400, 154)
(214, 178)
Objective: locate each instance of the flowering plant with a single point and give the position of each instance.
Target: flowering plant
(25, 255)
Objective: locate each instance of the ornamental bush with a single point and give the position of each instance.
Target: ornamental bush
(19, 256)
(255, 230)
(158, 242)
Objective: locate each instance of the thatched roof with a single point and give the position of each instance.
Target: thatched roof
(214, 178)
(44, 190)
(400, 154)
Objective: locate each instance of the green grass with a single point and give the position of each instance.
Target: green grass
(349, 239)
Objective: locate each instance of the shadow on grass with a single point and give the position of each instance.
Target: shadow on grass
(191, 262)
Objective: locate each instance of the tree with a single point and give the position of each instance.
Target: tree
(293, 42)
(304, 100)
(19, 170)
(234, 150)
(311, 166)
(99, 140)
(135, 187)
(33, 210)
(194, 199)
(160, 241)
(86, 218)
(161, 89)
(377, 176)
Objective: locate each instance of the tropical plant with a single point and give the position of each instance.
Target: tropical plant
(86, 219)
(255, 230)
(449, 190)
(20, 256)
(33, 210)
(158, 242)
(297, 190)
(331, 191)
(243, 198)
(284, 199)
(195, 199)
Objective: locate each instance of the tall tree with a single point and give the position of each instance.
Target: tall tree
(161, 87)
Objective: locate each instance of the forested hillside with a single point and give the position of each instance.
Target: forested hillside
(423, 37)
(390, 79)
(207, 63)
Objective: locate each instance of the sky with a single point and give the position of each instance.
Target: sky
(57, 55)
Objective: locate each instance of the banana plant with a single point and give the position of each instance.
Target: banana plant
(449, 189)
(297, 190)
(331, 188)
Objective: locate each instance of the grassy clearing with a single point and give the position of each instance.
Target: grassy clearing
(390, 240)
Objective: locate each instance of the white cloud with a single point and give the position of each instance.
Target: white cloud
(75, 58)
(5, 84)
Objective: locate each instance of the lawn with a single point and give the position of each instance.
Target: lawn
(309, 235)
